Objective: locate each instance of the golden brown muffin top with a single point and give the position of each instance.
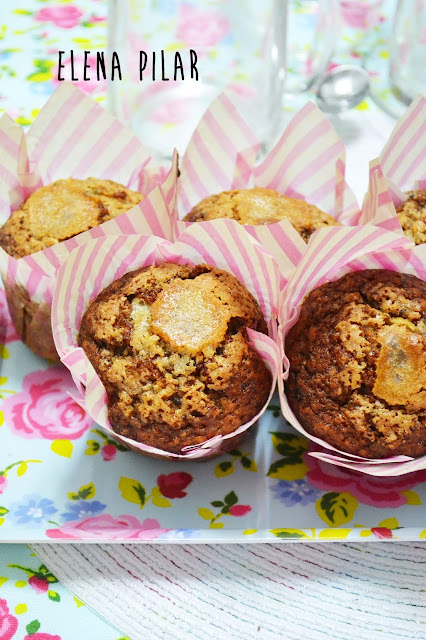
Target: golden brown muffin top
(169, 344)
(261, 206)
(358, 364)
(412, 216)
(62, 210)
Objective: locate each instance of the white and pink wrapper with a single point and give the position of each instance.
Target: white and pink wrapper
(403, 159)
(94, 265)
(332, 253)
(308, 162)
(401, 166)
(72, 136)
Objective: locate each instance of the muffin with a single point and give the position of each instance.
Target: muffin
(357, 358)
(50, 215)
(169, 344)
(62, 210)
(412, 216)
(261, 206)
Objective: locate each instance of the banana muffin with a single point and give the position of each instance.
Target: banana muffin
(261, 206)
(412, 216)
(358, 364)
(62, 210)
(169, 344)
(50, 215)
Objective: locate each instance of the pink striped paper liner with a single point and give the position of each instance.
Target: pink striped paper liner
(73, 136)
(378, 207)
(403, 159)
(308, 162)
(401, 166)
(333, 252)
(94, 265)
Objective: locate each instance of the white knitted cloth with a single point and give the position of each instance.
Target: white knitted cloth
(326, 591)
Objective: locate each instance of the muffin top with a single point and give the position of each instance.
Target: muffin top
(412, 216)
(358, 364)
(62, 210)
(261, 206)
(169, 344)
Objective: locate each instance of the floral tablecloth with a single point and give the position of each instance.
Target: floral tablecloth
(35, 606)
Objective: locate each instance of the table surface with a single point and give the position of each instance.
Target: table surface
(32, 602)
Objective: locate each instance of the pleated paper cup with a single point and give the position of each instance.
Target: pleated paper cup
(332, 253)
(308, 162)
(71, 137)
(93, 266)
(378, 207)
(401, 166)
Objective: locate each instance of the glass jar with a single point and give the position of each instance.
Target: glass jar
(176, 57)
(408, 50)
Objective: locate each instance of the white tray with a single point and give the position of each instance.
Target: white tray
(59, 486)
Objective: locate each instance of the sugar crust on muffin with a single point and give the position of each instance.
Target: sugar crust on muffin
(61, 210)
(170, 346)
(261, 206)
(412, 216)
(358, 364)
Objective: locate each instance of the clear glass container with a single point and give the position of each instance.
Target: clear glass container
(312, 32)
(408, 50)
(191, 51)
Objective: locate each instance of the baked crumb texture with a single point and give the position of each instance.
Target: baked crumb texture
(62, 210)
(261, 206)
(169, 344)
(32, 321)
(412, 216)
(358, 364)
